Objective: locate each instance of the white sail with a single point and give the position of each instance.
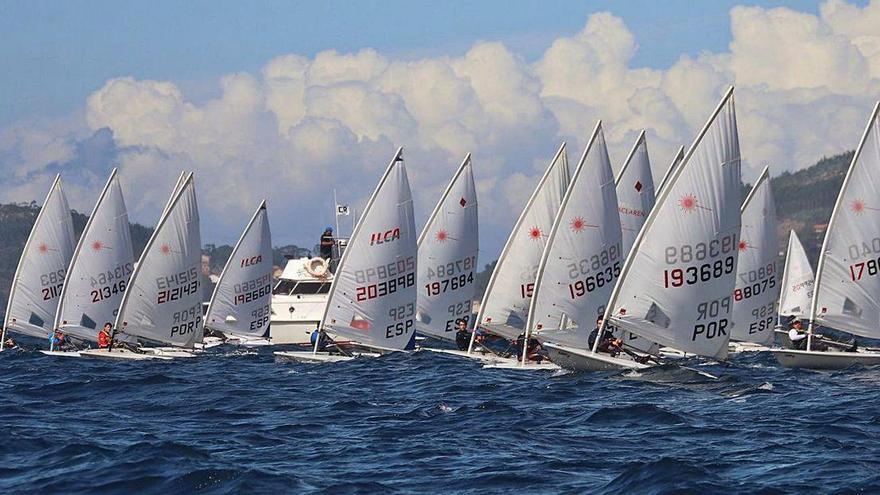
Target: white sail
(635, 192)
(505, 305)
(676, 287)
(447, 262)
(241, 302)
(100, 269)
(757, 280)
(163, 301)
(797, 280)
(847, 291)
(583, 256)
(373, 297)
(676, 160)
(39, 278)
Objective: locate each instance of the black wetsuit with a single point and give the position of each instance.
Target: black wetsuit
(463, 339)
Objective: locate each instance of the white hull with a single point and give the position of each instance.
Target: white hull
(487, 358)
(820, 360)
(738, 347)
(74, 354)
(516, 364)
(247, 342)
(317, 358)
(581, 360)
(292, 331)
(121, 354)
(210, 342)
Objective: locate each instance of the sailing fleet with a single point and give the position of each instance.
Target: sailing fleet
(680, 268)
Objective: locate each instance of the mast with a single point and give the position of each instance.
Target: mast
(820, 268)
(542, 265)
(56, 184)
(560, 154)
(653, 215)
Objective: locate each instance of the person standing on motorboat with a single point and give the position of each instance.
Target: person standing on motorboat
(608, 344)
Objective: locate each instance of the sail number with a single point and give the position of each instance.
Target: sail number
(178, 285)
(449, 284)
(452, 268)
(594, 263)
(393, 269)
(687, 253)
(865, 250)
(187, 321)
(252, 290)
(678, 277)
(385, 288)
(763, 318)
(582, 287)
(858, 270)
(709, 324)
(108, 291)
(403, 316)
(757, 282)
(105, 278)
(52, 283)
(260, 317)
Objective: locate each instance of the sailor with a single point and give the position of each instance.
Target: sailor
(608, 343)
(320, 337)
(535, 352)
(9, 344)
(462, 336)
(327, 243)
(104, 335)
(56, 340)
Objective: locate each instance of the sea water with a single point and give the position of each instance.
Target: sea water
(235, 421)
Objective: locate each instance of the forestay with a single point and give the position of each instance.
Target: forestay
(676, 288)
(847, 292)
(39, 278)
(447, 261)
(635, 192)
(100, 269)
(373, 297)
(241, 302)
(757, 280)
(676, 160)
(583, 256)
(508, 295)
(797, 280)
(163, 302)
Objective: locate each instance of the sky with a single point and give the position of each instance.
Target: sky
(289, 100)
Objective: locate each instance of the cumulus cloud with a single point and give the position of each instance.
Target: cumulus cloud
(302, 126)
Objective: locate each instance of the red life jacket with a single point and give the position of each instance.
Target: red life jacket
(103, 339)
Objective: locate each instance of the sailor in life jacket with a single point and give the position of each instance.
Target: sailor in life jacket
(104, 336)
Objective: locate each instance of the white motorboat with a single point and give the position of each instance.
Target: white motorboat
(299, 299)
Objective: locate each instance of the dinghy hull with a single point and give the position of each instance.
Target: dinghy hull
(817, 360)
(120, 354)
(515, 364)
(581, 360)
(486, 358)
(310, 357)
(74, 354)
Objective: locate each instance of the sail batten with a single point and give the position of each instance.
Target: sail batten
(676, 286)
(447, 259)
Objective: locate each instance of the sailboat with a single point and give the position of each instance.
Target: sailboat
(241, 304)
(99, 269)
(846, 294)
(504, 309)
(448, 247)
(582, 259)
(372, 301)
(162, 303)
(635, 192)
(796, 292)
(42, 268)
(757, 280)
(676, 160)
(676, 287)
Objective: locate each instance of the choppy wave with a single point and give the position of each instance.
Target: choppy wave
(238, 422)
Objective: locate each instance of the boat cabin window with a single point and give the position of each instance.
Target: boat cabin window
(284, 287)
(312, 288)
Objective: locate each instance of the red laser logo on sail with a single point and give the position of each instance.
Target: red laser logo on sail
(578, 224)
(43, 248)
(442, 236)
(858, 207)
(742, 246)
(534, 233)
(97, 245)
(689, 204)
(165, 249)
